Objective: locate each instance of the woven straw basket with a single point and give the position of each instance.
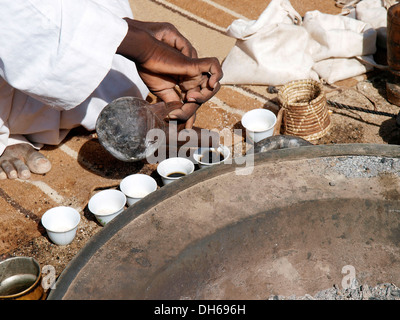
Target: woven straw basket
(305, 112)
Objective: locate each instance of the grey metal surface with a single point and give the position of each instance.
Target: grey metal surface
(288, 227)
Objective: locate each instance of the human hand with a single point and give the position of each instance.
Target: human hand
(167, 33)
(165, 60)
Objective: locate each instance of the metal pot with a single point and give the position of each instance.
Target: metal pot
(20, 279)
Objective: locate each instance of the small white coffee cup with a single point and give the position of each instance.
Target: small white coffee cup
(137, 186)
(207, 157)
(61, 224)
(259, 124)
(173, 169)
(106, 205)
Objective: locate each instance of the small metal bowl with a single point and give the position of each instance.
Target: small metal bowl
(20, 279)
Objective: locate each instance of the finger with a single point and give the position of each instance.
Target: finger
(184, 46)
(185, 112)
(190, 122)
(194, 54)
(212, 67)
(9, 169)
(190, 94)
(169, 61)
(207, 93)
(171, 95)
(202, 95)
(168, 95)
(174, 38)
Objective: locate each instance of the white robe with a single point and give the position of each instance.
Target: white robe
(58, 67)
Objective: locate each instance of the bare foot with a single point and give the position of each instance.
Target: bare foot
(20, 160)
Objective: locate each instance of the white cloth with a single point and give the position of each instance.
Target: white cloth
(339, 36)
(280, 47)
(58, 66)
(374, 12)
(343, 42)
(274, 49)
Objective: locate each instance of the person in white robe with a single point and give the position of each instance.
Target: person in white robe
(63, 61)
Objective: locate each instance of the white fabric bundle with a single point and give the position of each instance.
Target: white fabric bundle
(340, 40)
(272, 50)
(373, 12)
(339, 36)
(280, 47)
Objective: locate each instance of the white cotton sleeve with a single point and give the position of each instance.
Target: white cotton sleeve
(57, 51)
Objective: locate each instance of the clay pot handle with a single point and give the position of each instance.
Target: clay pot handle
(162, 109)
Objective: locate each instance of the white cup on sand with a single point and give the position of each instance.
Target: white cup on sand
(61, 224)
(207, 157)
(106, 205)
(137, 186)
(173, 169)
(259, 124)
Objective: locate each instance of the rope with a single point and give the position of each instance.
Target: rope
(345, 106)
(272, 89)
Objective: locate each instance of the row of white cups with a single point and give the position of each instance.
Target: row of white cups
(61, 222)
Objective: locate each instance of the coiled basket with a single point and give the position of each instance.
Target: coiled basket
(305, 111)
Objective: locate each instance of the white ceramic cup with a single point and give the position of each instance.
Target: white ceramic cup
(174, 165)
(200, 153)
(259, 124)
(137, 186)
(106, 205)
(61, 224)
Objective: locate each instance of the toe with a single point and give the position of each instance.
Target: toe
(38, 163)
(9, 169)
(22, 170)
(3, 175)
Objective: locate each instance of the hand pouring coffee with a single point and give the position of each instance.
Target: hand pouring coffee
(123, 124)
